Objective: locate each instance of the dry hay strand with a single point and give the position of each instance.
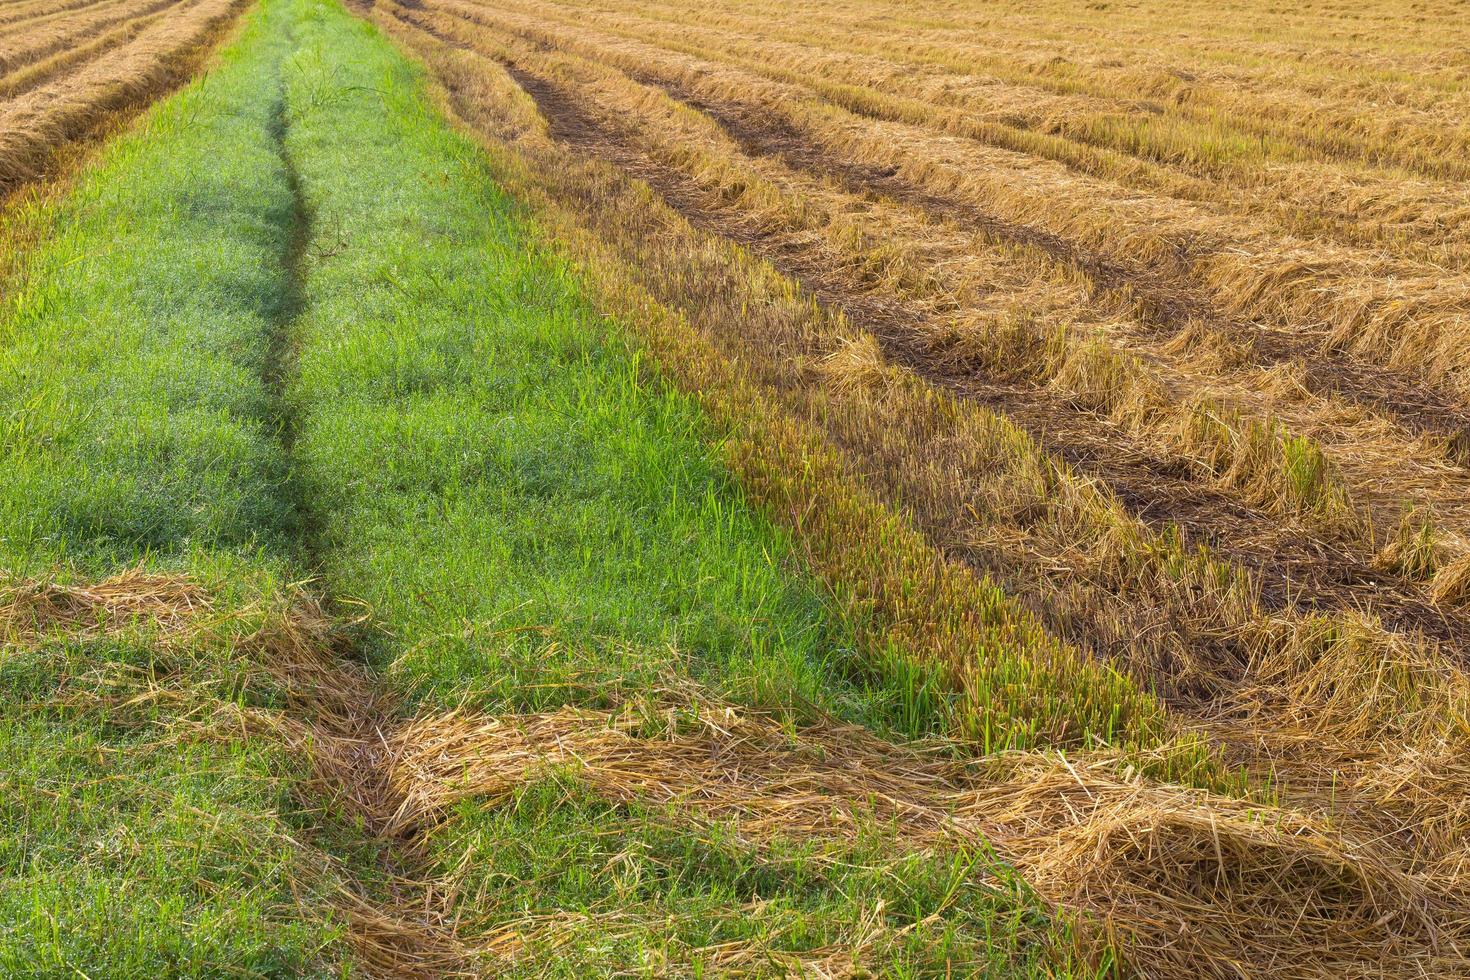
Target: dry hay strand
(1212, 348)
(334, 710)
(857, 366)
(333, 718)
(305, 647)
(1184, 881)
(295, 640)
(335, 714)
(393, 942)
(1100, 378)
(1413, 550)
(736, 764)
(759, 957)
(1342, 677)
(31, 609)
(1193, 883)
(1417, 796)
(1451, 584)
(37, 125)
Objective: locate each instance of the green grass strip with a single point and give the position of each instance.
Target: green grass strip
(536, 521)
(137, 428)
(533, 520)
(131, 363)
(464, 443)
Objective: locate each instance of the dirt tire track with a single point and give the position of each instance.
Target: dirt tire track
(404, 933)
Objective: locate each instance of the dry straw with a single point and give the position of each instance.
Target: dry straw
(36, 124)
(1364, 724)
(30, 609)
(1183, 880)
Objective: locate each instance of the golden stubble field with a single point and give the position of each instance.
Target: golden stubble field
(1156, 314)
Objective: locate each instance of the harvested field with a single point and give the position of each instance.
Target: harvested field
(1104, 348)
(558, 488)
(70, 70)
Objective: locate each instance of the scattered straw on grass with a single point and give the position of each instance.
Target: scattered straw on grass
(31, 609)
(1185, 881)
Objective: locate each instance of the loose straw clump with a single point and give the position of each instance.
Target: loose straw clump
(1183, 880)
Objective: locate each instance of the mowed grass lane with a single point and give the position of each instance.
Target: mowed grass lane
(138, 430)
(538, 522)
(462, 443)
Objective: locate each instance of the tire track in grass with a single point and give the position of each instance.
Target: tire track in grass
(457, 387)
(392, 924)
(336, 713)
(1433, 806)
(146, 834)
(152, 345)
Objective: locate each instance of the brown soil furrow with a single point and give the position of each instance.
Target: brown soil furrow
(1376, 306)
(1294, 569)
(37, 129)
(1167, 307)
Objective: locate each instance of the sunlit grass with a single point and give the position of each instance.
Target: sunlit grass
(139, 430)
(536, 520)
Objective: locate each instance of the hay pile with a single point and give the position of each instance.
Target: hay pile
(30, 609)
